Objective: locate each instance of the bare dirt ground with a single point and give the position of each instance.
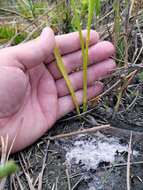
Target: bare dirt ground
(60, 170)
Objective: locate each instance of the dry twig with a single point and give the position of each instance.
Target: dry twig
(84, 131)
(128, 163)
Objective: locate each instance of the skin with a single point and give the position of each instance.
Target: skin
(33, 94)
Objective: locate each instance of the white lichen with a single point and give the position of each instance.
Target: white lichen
(90, 152)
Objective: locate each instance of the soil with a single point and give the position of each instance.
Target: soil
(103, 178)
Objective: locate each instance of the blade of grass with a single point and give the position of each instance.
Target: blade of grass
(131, 7)
(65, 75)
(97, 7)
(91, 6)
(68, 179)
(78, 25)
(117, 23)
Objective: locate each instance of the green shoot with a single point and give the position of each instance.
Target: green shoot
(78, 25)
(119, 40)
(117, 22)
(65, 75)
(8, 168)
(97, 7)
(91, 7)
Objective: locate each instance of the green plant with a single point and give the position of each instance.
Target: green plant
(98, 7)
(7, 32)
(120, 32)
(8, 168)
(30, 9)
(91, 7)
(118, 40)
(78, 24)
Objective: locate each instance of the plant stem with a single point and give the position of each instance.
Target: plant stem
(65, 75)
(85, 64)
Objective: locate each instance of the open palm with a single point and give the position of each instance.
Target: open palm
(33, 94)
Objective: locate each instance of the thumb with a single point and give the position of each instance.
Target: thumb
(33, 53)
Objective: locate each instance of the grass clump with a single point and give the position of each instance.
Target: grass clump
(7, 32)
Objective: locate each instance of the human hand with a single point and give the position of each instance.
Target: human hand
(33, 94)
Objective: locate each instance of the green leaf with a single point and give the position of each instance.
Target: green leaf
(65, 75)
(8, 168)
(97, 7)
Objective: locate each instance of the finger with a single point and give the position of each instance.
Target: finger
(69, 43)
(66, 104)
(99, 52)
(32, 53)
(95, 72)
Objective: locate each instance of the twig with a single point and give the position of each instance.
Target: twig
(108, 90)
(40, 177)
(126, 82)
(56, 184)
(133, 103)
(53, 187)
(124, 164)
(4, 145)
(77, 183)
(141, 36)
(13, 183)
(11, 12)
(128, 162)
(26, 172)
(30, 181)
(90, 130)
(131, 7)
(19, 182)
(68, 179)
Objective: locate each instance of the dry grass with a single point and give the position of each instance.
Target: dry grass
(128, 164)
